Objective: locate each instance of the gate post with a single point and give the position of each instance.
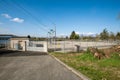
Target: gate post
(25, 46)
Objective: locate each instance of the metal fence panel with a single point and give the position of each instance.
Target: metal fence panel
(71, 45)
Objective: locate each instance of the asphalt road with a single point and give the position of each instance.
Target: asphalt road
(14, 66)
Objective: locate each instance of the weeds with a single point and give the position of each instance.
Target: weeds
(104, 69)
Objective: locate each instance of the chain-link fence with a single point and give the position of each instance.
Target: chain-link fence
(65, 45)
(77, 45)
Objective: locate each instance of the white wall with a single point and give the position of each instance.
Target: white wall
(26, 47)
(14, 43)
(34, 48)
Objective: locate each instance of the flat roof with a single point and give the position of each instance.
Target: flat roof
(12, 36)
(7, 35)
(20, 38)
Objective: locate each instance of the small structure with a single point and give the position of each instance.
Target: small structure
(5, 40)
(24, 44)
(19, 43)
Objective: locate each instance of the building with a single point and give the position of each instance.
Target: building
(13, 42)
(19, 43)
(5, 40)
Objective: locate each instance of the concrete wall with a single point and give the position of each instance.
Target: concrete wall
(23, 44)
(37, 46)
(18, 43)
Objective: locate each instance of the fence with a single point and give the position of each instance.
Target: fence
(74, 45)
(60, 46)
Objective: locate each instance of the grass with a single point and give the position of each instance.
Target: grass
(104, 69)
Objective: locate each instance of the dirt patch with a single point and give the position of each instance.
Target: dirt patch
(104, 53)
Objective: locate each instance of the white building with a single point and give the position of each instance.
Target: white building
(22, 43)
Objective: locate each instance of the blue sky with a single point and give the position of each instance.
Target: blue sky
(37, 17)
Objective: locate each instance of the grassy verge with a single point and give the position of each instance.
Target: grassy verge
(105, 69)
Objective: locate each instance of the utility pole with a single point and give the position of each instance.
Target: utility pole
(53, 32)
(47, 39)
(55, 38)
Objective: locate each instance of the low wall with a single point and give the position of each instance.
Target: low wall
(37, 46)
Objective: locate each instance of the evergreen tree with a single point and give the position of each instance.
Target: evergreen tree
(28, 36)
(104, 35)
(72, 36)
(77, 36)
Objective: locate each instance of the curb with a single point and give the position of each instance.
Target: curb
(83, 77)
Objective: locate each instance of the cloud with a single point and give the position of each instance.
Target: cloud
(88, 34)
(6, 16)
(17, 20)
(62, 35)
(77, 33)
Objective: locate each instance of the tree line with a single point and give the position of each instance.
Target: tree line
(104, 35)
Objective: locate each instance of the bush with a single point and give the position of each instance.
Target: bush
(88, 50)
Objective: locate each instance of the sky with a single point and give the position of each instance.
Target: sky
(38, 17)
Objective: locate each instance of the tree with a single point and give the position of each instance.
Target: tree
(112, 36)
(104, 35)
(73, 34)
(28, 36)
(97, 37)
(118, 35)
(77, 36)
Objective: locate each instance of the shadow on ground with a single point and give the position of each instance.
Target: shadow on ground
(10, 53)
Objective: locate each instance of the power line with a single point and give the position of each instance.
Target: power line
(34, 16)
(4, 8)
(30, 14)
(27, 12)
(2, 5)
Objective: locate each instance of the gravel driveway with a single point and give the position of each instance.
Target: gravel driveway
(14, 66)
